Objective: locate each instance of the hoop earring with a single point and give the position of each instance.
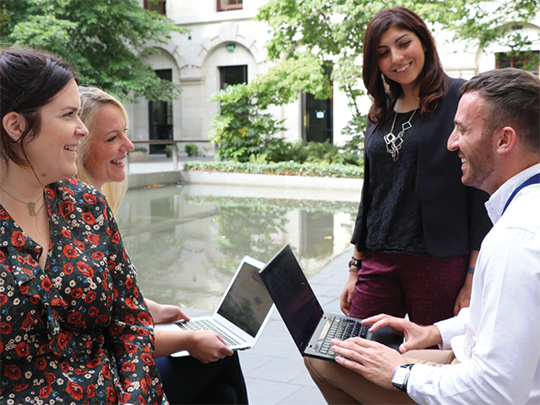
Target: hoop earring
(15, 138)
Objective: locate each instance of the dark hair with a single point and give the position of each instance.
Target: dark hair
(512, 99)
(432, 78)
(29, 79)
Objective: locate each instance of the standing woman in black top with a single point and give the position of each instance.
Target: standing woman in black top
(418, 229)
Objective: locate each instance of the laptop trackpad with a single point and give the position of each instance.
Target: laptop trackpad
(385, 336)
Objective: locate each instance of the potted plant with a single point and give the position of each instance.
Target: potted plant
(190, 149)
(138, 154)
(168, 150)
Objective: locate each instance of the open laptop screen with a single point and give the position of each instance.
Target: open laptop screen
(293, 296)
(247, 302)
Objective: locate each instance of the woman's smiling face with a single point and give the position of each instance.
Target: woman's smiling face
(108, 147)
(401, 56)
(52, 153)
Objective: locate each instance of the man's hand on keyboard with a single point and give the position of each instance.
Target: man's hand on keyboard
(207, 346)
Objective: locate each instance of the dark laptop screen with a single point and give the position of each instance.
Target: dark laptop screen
(247, 302)
(292, 296)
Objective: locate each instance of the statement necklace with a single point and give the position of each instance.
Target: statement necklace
(31, 206)
(393, 142)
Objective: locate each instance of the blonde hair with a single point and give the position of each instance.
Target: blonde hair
(92, 100)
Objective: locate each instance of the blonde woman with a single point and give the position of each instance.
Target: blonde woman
(200, 378)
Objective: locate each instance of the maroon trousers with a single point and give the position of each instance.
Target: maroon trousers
(396, 284)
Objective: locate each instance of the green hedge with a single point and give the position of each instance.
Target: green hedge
(281, 168)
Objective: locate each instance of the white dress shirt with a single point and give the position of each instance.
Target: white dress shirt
(497, 339)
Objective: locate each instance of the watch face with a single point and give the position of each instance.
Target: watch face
(399, 375)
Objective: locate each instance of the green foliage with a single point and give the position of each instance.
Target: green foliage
(284, 81)
(481, 22)
(105, 41)
(281, 168)
(191, 149)
(355, 129)
(332, 32)
(281, 150)
(241, 126)
(139, 149)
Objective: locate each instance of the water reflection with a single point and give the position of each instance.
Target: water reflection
(186, 241)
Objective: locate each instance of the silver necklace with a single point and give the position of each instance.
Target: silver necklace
(393, 142)
(31, 206)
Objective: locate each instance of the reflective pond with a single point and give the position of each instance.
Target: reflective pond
(186, 241)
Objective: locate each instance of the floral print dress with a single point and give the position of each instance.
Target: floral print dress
(78, 331)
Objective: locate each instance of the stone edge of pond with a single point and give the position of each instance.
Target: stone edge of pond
(138, 180)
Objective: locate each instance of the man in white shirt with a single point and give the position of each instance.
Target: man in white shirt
(495, 344)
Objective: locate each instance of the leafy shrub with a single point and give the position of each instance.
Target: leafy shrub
(191, 149)
(139, 149)
(356, 129)
(281, 168)
(241, 126)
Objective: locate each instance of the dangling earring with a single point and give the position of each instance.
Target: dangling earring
(385, 84)
(15, 138)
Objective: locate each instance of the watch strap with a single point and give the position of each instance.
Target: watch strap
(402, 385)
(355, 263)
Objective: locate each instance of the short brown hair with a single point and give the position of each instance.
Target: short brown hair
(512, 97)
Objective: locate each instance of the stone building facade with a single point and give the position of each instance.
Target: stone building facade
(225, 45)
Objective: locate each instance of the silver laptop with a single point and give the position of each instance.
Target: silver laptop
(310, 326)
(242, 313)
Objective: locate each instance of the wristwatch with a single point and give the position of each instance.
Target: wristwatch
(355, 264)
(400, 376)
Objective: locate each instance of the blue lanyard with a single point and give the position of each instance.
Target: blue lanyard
(533, 180)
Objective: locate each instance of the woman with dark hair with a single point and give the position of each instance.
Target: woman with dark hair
(74, 327)
(418, 229)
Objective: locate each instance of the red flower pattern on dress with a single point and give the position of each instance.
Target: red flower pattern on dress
(18, 239)
(22, 349)
(74, 311)
(88, 218)
(12, 372)
(66, 208)
(93, 239)
(5, 328)
(28, 321)
(45, 391)
(74, 390)
(70, 251)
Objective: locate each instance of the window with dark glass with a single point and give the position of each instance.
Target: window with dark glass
(160, 6)
(225, 5)
(232, 75)
(318, 116)
(528, 60)
(160, 117)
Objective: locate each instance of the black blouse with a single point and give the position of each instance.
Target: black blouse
(394, 222)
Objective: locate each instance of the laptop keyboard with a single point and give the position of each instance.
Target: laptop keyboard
(342, 329)
(205, 324)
